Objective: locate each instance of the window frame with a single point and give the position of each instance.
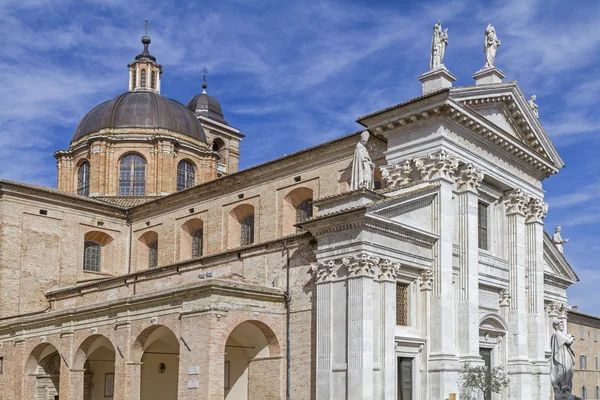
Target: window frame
(153, 79)
(304, 210)
(481, 228)
(247, 230)
(132, 175)
(186, 175)
(83, 178)
(197, 242)
(153, 254)
(87, 258)
(143, 78)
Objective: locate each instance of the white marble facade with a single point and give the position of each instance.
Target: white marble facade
(451, 155)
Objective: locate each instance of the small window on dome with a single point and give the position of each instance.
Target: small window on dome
(143, 78)
(153, 80)
(134, 78)
(186, 175)
(83, 179)
(132, 176)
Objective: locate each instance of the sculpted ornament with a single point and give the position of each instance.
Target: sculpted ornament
(324, 271)
(515, 202)
(558, 240)
(362, 167)
(397, 175)
(426, 279)
(440, 165)
(562, 361)
(388, 270)
(504, 297)
(490, 46)
(361, 264)
(536, 210)
(439, 42)
(533, 106)
(469, 178)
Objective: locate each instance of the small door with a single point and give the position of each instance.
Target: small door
(486, 354)
(405, 378)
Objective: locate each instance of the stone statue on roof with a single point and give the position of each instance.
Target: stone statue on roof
(490, 46)
(561, 362)
(533, 106)
(439, 42)
(362, 167)
(558, 240)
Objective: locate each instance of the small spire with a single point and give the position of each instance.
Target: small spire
(146, 27)
(204, 85)
(146, 41)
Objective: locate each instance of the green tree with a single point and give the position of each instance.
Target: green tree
(481, 381)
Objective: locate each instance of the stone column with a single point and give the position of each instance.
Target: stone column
(426, 286)
(536, 321)
(387, 319)
(468, 181)
(324, 271)
(519, 367)
(441, 167)
(135, 380)
(361, 271)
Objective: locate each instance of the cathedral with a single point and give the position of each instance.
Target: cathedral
(158, 270)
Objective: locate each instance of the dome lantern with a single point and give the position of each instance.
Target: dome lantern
(144, 72)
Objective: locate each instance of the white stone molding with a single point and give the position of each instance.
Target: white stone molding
(469, 178)
(439, 165)
(536, 210)
(397, 174)
(324, 271)
(388, 270)
(426, 279)
(515, 202)
(361, 264)
(505, 297)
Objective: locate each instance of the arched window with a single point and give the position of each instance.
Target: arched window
(83, 179)
(135, 78)
(153, 80)
(247, 230)
(132, 176)
(143, 78)
(92, 256)
(304, 211)
(218, 146)
(153, 254)
(197, 243)
(186, 175)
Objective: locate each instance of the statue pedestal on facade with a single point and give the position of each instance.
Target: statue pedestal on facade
(489, 75)
(437, 79)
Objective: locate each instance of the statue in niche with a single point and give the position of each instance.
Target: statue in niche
(439, 42)
(490, 47)
(362, 167)
(562, 361)
(558, 240)
(533, 106)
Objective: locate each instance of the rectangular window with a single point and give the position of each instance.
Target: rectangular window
(401, 304)
(596, 363)
(595, 336)
(405, 378)
(486, 354)
(597, 392)
(1, 365)
(581, 333)
(482, 226)
(582, 362)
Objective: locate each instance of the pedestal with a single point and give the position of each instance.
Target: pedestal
(437, 79)
(488, 76)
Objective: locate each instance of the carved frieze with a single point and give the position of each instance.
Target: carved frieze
(397, 175)
(469, 178)
(426, 279)
(536, 210)
(515, 202)
(439, 165)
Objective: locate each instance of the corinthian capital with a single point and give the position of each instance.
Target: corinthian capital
(388, 270)
(426, 279)
(536, 210)
(504, 297)
(515, 202)
(469, 178)
(440, 165)
(361, 264)
(397, 175)
(324, 271)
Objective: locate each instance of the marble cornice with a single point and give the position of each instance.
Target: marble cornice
(400, 231)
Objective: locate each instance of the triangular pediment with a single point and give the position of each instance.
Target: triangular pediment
(505, 106)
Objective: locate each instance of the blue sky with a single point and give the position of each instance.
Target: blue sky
(294, 74)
